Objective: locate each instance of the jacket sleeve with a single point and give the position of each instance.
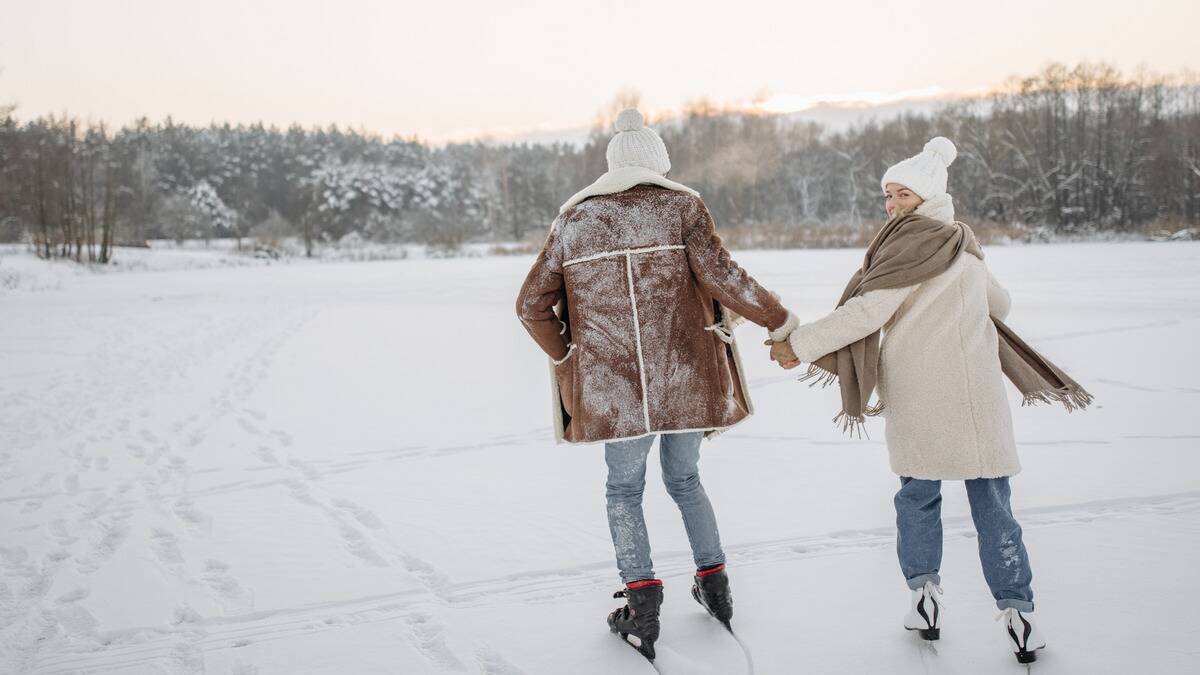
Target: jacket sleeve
(853, 321)
(718, 274)
(543, 288)
(998, 299)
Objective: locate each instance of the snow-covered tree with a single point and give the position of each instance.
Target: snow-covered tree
(215, 215)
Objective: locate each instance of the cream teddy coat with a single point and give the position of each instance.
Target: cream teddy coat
(946, 411)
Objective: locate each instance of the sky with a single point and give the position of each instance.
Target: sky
(456, 69)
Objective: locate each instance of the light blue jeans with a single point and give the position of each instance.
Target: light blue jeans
(1001, 550)
(680, 455)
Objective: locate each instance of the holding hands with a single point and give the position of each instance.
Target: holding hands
(781, 353)
(781, 347)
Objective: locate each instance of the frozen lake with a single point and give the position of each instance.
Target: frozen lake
(348, 468)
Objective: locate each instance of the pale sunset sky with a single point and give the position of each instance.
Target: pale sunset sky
(455, 69)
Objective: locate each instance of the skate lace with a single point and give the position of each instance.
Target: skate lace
(1008, 614)
(931, 588)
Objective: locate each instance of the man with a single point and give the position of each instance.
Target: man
(634, 299)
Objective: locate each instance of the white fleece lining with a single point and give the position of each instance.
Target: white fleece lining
(737, 360)
(780, 334)
(709, 434)
(620, 180)
(570, 350)
(637, 338)
(626, 252)
(557, 406)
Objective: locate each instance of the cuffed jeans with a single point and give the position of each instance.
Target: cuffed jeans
(1001, 550)
(680, 455)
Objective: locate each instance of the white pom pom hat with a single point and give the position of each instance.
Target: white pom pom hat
(635, 144)
(925, 173)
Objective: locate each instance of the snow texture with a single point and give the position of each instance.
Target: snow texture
(312, 468)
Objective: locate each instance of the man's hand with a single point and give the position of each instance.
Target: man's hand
(781, 353)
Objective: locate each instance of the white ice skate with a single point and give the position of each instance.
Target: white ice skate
(1023, 635)
(925, 617)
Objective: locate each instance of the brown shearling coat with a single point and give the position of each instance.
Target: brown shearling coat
(628, 299)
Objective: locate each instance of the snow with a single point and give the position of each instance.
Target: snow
(348, 468)
(20, 270)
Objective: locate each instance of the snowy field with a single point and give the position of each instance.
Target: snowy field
(347, 468)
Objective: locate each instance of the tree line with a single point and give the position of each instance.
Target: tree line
(1067, 150)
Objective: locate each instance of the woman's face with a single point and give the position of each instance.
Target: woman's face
(897, 197)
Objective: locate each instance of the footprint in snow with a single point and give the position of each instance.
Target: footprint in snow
(165, 545)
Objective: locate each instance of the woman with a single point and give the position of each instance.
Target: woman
(922, 320)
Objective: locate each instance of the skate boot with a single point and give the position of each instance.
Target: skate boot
(926, 614)
(711, 590)
(637, 622)
(1023, 636)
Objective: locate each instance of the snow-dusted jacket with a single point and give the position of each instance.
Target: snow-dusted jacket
(628, 299)
(946, 412)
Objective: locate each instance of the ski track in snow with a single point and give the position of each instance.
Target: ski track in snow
(414, 608)
(1166, 323)
(106, 516)
(104, 526)
(745, 652)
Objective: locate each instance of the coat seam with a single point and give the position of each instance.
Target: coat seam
(624, 252)
(637, 339)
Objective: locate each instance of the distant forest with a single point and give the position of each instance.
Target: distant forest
(1068, 151)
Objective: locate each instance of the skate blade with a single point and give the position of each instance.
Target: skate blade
(927, 633)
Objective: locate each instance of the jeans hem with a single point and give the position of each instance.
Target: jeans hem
(637, 576)
(1019, 605)
(919, 581)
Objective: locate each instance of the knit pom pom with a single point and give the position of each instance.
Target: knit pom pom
(631, 120)
(943, 148)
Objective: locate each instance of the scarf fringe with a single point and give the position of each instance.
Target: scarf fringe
(1072, 398)
(850, 424)
(854, 425)
(818, 376)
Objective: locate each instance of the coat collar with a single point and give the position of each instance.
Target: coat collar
(940, 208)
(620, 180)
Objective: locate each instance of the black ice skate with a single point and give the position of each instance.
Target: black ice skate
(711, 590)
(637, 622)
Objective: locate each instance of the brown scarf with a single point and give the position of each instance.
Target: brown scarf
(908, 250)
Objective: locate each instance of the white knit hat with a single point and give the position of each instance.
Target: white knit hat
(636, 145)
(925, 173)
